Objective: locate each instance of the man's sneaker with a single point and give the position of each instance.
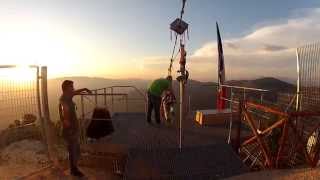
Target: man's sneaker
(77, 173)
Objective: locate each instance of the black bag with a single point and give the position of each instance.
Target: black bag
(101, 124)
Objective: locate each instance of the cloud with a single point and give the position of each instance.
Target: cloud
(149, 67)
(268, 47)
(267, 51)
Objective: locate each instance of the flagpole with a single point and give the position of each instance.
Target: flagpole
(221, 72)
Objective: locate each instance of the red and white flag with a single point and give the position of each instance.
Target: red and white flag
(221, 73)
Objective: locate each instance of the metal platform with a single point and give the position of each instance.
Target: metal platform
(153, 150)
(138, 150)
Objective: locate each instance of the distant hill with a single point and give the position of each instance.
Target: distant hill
(202, 95)
(267, 83)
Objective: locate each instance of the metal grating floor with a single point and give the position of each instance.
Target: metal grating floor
(153, 150)
(202, 162)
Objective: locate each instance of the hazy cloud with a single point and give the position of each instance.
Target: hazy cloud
(267, 51)
(268, 47)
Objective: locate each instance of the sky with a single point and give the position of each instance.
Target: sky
(131, 39)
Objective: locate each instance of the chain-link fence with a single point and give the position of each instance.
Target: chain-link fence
(22, 132)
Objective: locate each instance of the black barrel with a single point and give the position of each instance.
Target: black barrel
(101, 124)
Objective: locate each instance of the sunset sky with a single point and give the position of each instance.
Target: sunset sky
(131, 38)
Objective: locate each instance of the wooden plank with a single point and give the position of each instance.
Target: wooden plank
(214, 117)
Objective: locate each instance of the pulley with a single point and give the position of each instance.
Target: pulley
(179, 26)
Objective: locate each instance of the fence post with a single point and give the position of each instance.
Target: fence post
(238, 136)
(231, 118)
(261, 101)
(105, 96)
(112, 100)
(38, 77)
(82, 118)
(127, 106)
(45, 107)
(298, 82)
(189, 104)
(96, 97)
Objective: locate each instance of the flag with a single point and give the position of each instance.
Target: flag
(221, 73)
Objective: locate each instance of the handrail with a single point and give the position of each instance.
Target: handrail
(134, 87)
(15, 66)
(95, 93)
(126, 86)
(104, 94)
(246, 88)
(240, 87)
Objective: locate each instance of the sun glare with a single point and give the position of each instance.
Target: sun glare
(19, 75)
(24, 73)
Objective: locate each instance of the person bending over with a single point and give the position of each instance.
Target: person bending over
(155, 90)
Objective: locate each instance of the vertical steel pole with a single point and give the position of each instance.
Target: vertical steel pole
(298, 81)
(231, 117)
(38, 77)
(45, 107)
(261, 101)
(181, 112)
(112, 100)
(44, 87)
(105, 96)
(182, 81)
(238, 135)
(96, 97)
(127, 105)
(189, 104)
(82, 116)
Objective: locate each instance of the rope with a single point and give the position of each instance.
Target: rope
(171, 62)
(175, 41)
(182, 9)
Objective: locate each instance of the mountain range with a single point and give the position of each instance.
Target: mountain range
(200, 95)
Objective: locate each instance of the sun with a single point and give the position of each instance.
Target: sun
(24, 73)
(18, 74)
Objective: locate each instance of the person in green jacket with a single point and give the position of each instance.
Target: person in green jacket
(155, 90)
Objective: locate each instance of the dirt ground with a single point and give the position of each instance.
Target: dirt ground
(90, 174)
(296, 174)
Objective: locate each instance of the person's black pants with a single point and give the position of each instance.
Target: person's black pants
(153, 103)
(73, 146)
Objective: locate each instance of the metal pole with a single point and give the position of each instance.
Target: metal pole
(182, 81)
(126, 101)
(238, 136)
(82, 115)
(112, 100)
(181, 112)
(45, 107)
(230, 123)
(96, 97)
(261, 101)
(189, 104)
(105, 96)
(38, 77)
(298, 81)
